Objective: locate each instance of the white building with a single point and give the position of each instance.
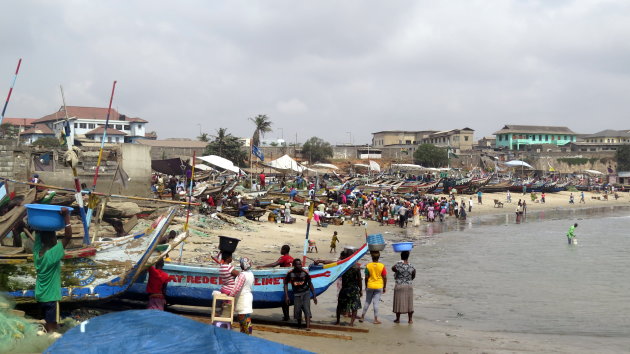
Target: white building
(86, 121)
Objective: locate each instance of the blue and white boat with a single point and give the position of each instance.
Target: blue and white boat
(193, 284)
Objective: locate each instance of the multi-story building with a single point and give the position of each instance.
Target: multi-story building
(457, 140)
(516, 137)
(399, 137)
(85, 120)
(608, 136)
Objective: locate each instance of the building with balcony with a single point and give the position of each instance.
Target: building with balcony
(517, 137)
(85, 120)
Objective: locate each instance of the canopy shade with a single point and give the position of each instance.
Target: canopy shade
(221, 162)
(285, 164)
(518, 163)
(173, 167)
(593, 172)
(325, 166)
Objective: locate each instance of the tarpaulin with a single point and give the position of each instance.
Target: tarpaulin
(175, 167)
(153, 331)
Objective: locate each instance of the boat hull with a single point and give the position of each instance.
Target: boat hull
(193, 285)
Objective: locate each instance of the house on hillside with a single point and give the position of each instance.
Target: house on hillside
(517, 137)
(85, 120)
(31, 135)
(608, 136)
(399, 137)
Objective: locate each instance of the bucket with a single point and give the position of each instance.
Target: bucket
(44, 217)
(350, 249)
(376, 247)
(402, 246)
(228, 244)
(375, 239)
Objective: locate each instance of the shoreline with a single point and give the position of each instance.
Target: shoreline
(261, 242)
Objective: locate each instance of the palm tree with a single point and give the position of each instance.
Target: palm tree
(204, 137)
(263, 125)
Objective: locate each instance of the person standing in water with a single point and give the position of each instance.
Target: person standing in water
(571, 233)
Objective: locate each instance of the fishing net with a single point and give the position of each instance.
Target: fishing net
(17, 334)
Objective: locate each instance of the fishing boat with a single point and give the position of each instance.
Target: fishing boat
(194, 284)
(104, 270)
(418, 187)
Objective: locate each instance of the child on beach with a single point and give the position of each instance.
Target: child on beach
(333, 243)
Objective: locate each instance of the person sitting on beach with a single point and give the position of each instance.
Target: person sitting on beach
(244, 299)
(156, 286)
(302, 286)
(47, 255)
(375, 285)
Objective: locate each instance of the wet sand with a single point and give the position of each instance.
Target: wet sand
(261, 241)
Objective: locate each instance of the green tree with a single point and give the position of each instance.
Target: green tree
(8, 131)
(228, 146)
(204, 137)
(263, 125)
(623, 158)
(48, 142)
(431, 156)
(317, 149)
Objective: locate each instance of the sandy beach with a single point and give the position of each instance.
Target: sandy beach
(261, 241)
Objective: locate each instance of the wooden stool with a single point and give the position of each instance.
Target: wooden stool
(223, 318)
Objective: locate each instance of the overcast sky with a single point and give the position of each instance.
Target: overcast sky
(324, 68)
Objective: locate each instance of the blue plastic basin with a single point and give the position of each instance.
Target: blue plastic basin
(44, 217)
(402, 246)
(375, 239)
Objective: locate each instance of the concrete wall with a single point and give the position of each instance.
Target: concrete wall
(163, 153)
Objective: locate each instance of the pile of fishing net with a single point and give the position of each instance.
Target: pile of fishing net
(18, 334)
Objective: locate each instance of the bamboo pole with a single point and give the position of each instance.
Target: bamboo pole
(98, 193)
(6, 103)
(100, 153)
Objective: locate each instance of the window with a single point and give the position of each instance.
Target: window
(408, 142)
(465, 138)
(126, 127)
(546, 137)
(76, 125)
(82, 125)
(119, 126)
(534, 137)
(540, 137)
(91, 126)
(109, 139)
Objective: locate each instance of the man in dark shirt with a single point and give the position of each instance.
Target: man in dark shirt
(285, 260)
(301, 284)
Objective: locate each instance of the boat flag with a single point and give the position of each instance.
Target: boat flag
(258, 153)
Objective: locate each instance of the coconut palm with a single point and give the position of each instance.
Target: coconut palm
(263, 125)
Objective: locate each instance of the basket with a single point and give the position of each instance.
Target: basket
(375, 239)
(350, 249)
(228, 244)
(376, 247)
(402, 246)
(44, 217)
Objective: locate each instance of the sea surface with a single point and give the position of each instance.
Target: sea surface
(494, 274)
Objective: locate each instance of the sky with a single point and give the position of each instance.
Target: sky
(339, 70)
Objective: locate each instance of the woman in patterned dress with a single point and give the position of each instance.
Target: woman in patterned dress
(349, 300)
(404, 274)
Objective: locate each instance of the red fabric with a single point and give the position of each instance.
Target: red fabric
(285, 261)
(157, 279)
(384, 272)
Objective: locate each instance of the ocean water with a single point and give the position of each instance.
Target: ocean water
(494, 274)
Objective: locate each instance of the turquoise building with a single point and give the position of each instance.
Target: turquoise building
(514, 137)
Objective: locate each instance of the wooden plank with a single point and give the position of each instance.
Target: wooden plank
(299, 332)
(273, 329)
(316, 326)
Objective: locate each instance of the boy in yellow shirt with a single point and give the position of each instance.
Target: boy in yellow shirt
(375, 285)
